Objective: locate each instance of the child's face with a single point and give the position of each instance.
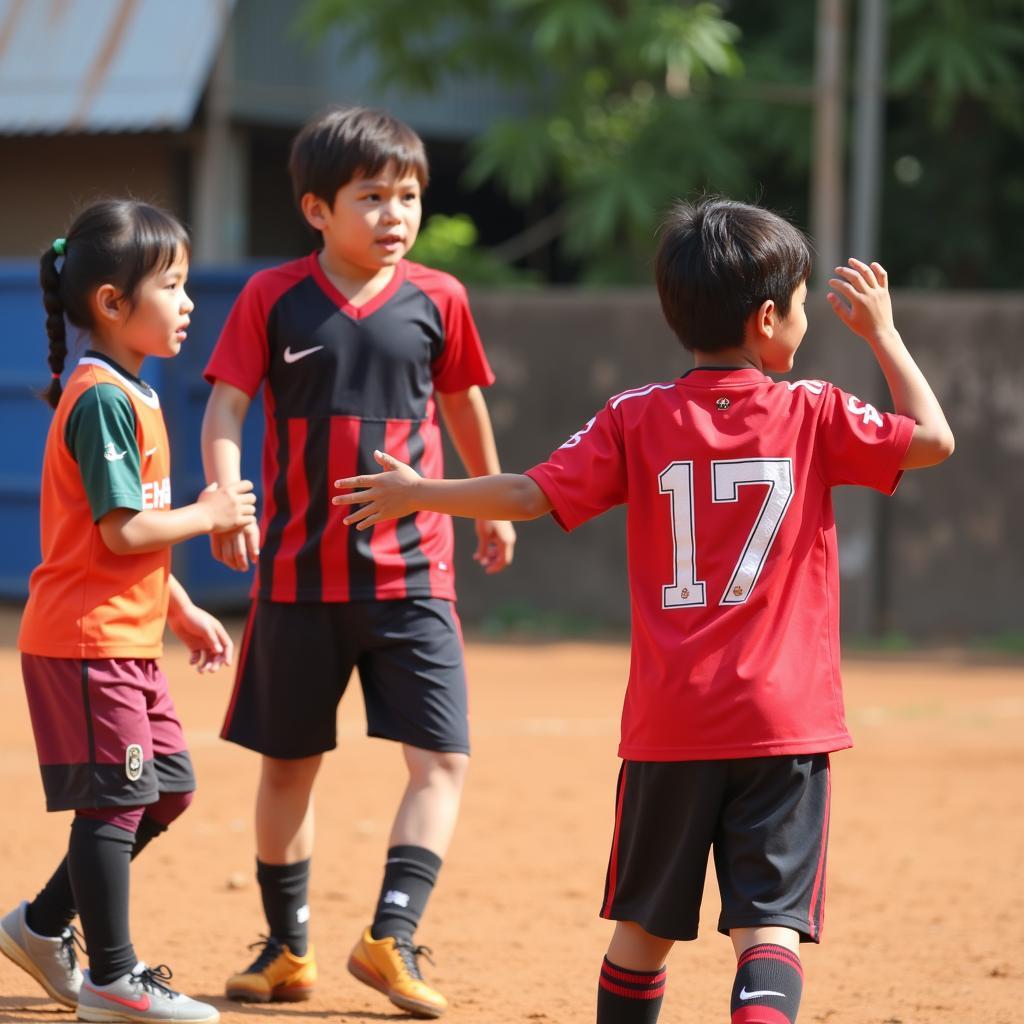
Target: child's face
(157, 322)
(374, 220)
(777, 352)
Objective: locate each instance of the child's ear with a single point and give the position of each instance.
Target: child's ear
(315, 210)
(764, 319)
(107, 302)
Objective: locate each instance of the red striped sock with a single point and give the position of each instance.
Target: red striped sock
(769, 983)
(627, 996)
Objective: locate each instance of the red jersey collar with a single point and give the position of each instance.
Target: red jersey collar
(367, 308)
(723, 376)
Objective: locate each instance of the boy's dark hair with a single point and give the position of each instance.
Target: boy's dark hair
(718, 261)
(330, 151)
(112, 241)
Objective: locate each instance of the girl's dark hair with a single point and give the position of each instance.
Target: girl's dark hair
(718, 261)
(112, 241)
(330, 151)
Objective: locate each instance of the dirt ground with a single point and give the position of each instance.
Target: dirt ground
(925, 910)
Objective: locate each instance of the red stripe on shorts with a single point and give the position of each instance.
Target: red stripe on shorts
(613, 860)
(814, 922)
(246, 636)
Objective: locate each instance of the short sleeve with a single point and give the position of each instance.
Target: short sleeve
(587, 475)
(461, 363)
(100, 434)
(241, 355)
(857, 444)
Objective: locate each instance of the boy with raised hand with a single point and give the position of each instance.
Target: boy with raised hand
(356, 348)
(734, 700)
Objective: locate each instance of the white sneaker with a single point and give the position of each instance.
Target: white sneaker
(142, 996)
(52, 962)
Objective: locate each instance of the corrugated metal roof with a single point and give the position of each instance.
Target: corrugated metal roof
(105, 65)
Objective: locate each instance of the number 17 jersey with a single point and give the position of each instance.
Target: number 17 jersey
(733, 564)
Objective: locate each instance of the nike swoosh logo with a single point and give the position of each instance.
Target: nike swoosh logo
(141, 1004)
(744, 994)
(150, 451)
(294, 357)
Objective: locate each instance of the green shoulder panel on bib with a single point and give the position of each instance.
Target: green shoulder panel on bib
(100, 434)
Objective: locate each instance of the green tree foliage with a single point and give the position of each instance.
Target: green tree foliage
(618, 127)
(631, 103)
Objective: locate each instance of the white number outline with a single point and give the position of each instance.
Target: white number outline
(691, 593)
(685, 590)
(766, 526)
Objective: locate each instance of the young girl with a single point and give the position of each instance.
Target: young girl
(109, 742)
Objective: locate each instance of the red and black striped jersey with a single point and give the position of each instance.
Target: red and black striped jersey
(339, 381)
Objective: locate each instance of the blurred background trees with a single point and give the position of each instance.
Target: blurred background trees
(633, 103)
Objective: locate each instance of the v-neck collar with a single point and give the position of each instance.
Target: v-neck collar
(342, 302)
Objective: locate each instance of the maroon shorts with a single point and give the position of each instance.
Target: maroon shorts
(106, 732)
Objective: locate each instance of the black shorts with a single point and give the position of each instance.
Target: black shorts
(765, 819)
(296, 660)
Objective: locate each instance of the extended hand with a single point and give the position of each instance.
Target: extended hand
(230, 506)
(867, 309)
(387, 495)
(496, 541)
(204, 636)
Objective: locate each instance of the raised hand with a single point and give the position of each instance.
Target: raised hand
(860, 298)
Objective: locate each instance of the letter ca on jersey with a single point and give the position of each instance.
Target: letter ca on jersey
(156, 493)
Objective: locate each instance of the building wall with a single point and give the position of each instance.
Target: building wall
(942, 559)
(44, 178)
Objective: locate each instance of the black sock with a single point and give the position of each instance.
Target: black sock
(285, 891)
(99, 859)
(409, 877)
(769, 982)
(54, 909)
(629, 997)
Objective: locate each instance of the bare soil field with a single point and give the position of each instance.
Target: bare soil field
(925, 909)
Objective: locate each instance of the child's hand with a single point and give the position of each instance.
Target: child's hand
(238, 549)
(387, 495)
(229, 507)
(203, 635)
(496, 540)
(860, 298)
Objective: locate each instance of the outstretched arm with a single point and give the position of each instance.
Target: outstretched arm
(860, 298)
(400, 491)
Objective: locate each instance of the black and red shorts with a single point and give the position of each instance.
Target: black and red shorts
(296, 661)
(765, 819)
(106, 732)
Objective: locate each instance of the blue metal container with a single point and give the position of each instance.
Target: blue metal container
(25, 419)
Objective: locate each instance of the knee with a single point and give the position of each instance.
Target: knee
(439, 768)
